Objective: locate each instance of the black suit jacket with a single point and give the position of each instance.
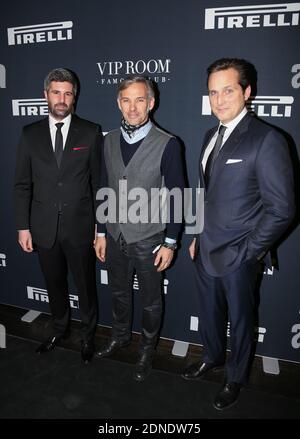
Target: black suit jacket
(42, 189)
(250, 198)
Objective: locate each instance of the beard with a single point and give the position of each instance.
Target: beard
(60, 111)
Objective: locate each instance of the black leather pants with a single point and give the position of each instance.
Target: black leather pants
(123, 260)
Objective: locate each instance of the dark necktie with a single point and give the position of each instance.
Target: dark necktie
(214, 154)
(59, 144)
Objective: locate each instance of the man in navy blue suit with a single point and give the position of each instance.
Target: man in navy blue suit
(246, 173)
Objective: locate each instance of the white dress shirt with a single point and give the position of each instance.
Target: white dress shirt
(230, 126)
(64, 129)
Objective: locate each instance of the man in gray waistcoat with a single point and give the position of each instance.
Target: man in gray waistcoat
(139, 159)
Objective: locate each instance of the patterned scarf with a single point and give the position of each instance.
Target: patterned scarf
(130, 129)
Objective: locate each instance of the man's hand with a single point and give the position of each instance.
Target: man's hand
(192, 249)
(25, 240)
(163, 258)
(100, 248)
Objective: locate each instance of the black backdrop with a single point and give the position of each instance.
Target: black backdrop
(172, 42)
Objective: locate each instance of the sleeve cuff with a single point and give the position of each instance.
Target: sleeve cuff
(170, 240)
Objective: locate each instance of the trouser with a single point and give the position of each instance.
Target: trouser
(231, 296)
(122, 261)
(81, 261)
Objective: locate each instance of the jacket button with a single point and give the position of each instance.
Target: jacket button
(59, 183)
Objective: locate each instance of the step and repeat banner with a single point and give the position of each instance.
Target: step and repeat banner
(172, 42)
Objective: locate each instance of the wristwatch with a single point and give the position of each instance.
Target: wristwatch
(170, 246)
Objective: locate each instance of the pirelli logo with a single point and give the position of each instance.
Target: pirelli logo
(40, 33)
(2, 260)
(2, 76)
(29, 107)
(271, 106)
(262, 106)
(135, 285)
(259, 331)
(2, 337)
(239, 17)
(41, 295)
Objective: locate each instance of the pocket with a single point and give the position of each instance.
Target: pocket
(148, 245)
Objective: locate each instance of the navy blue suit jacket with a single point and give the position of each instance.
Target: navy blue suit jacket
(250, 199)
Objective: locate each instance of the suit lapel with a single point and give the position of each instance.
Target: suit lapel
(206, 142)
(227, 151)
(46, 142)
(71, 141)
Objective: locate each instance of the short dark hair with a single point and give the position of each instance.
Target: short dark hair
(246, 70)
(133, 79)
(61, 75)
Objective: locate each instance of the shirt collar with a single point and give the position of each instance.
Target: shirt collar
(234, 122)
(66, 121)
(138, 134)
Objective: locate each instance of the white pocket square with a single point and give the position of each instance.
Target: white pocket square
(230, 161)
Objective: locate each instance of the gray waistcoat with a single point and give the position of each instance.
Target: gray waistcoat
(132, 185)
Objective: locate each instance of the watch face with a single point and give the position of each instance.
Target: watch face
(170, 246)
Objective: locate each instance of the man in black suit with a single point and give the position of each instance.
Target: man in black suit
(57, 176)
(246, 173)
